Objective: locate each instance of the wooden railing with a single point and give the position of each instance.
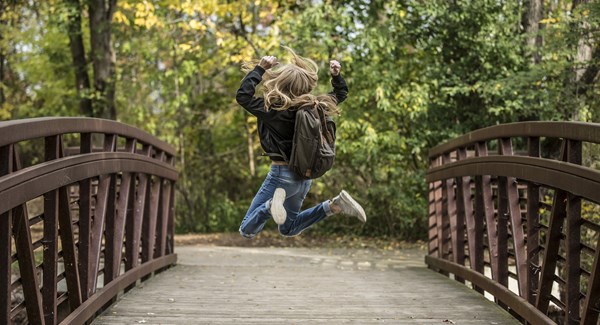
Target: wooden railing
(86, 210)
(511, 222)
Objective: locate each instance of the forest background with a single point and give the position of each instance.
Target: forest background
(419, 72)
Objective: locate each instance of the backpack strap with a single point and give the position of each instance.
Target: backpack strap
(324, 124)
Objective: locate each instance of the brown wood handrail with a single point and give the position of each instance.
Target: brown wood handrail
(485, 217)
(107, 216)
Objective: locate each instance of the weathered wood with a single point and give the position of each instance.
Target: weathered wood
(533, 225)
(233, 285)
(50, 242)
(27, 267)
(516, 223)
(85, 225)
(465, 211)
(552, 244)
(573, 243)
(484, 210)
(6, 166)
(457, 223)
(161, 226)
(149, 224)
(591, 305)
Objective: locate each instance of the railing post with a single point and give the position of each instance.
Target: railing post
(484, 210)
(591, 305)
(6, 166)
(552, 244)
(533, 227)
(457, 233)
(573, 244)
(474, 228)
(27, 266)
(50, 243)
(85, 224)
(516, 222)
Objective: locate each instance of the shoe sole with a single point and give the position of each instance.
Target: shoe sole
(361, 212)
(277, 210)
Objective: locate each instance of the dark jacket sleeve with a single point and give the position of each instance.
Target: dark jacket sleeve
(340, 89)
(245, 94)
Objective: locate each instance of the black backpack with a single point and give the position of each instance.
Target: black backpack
(313, 146)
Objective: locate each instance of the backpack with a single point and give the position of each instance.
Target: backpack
(313, 146)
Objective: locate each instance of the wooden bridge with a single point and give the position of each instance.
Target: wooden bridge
(88, 215)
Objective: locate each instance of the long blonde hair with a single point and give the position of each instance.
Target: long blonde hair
(289, 86)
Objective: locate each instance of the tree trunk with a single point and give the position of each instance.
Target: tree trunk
(82, 79)
(250, 143)
(531, 23)
(585, 73)
(101, 14)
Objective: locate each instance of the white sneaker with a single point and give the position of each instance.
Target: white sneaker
(349, 206)
(277, 210)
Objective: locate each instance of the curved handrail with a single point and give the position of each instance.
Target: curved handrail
(480, 196)
(107, 215)
(20, 130)
(587, 132)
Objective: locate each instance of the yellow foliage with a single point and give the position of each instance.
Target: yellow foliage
(119, 17)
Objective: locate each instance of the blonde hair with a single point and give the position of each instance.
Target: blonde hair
(289, 86)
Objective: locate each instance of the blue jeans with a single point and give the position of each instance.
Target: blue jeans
(295, 191)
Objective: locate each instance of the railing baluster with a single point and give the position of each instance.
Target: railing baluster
(516, 222)
(161, 227)
(438, 198)
(484, 209)
(457, 223)
(104, 206)
(149, 224)
(171, 220)
(85, 224)
(6, 166)
(591, 305)
(52, 151)
(27, 266)
(533, 219)
(552, 245)
(433, 226)
(95, 176)
(573, 244)
(465, 211)
(114, 239)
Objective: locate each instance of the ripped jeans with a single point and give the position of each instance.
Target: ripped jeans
(295, 191)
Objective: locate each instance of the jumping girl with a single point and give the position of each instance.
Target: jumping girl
(288, 87)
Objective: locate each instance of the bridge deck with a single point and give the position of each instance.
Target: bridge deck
(283, 285)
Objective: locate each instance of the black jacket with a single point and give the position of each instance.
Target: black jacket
(276, 128)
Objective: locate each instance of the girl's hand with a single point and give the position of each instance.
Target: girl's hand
(267, 62)
(334, 67)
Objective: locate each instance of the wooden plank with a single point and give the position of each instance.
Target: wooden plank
(533, 225)
(133, 230)
(50, 242)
